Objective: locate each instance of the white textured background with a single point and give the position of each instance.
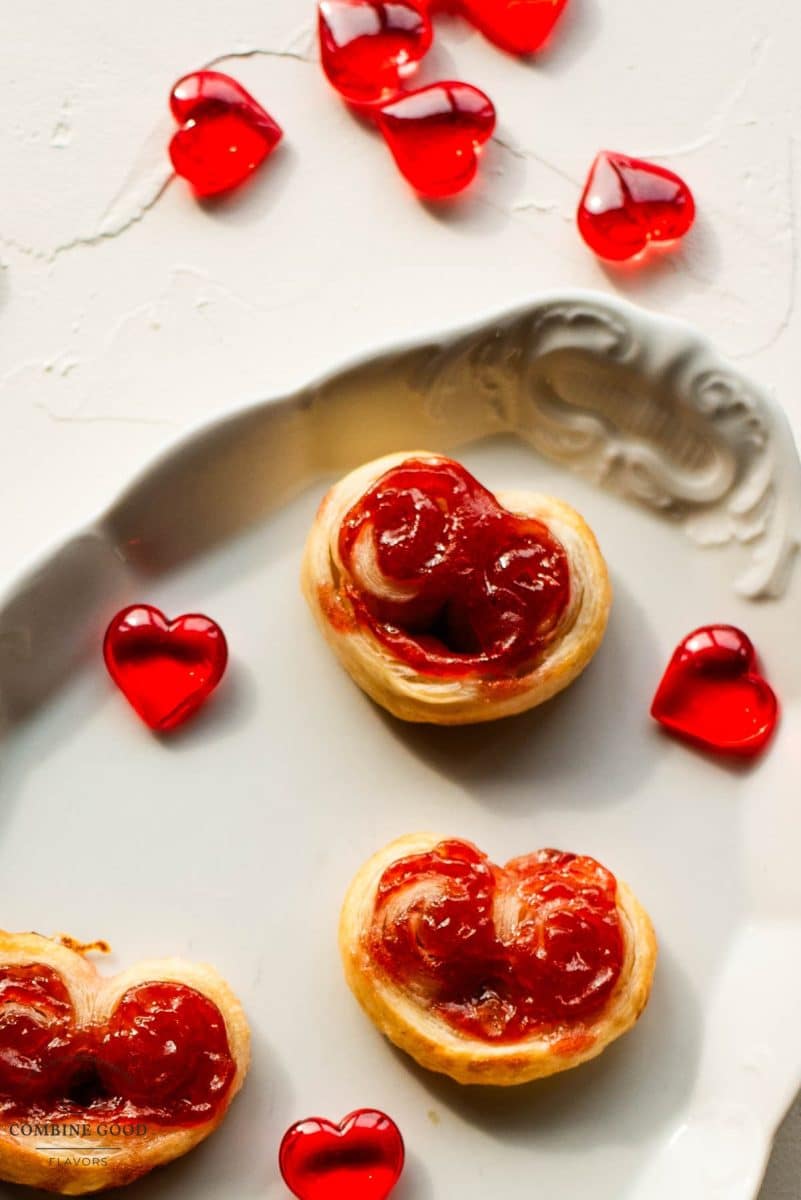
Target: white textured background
(128, 311)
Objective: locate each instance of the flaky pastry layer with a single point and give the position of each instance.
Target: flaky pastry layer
(72, 1164)
(437, 1045)
(444, 700)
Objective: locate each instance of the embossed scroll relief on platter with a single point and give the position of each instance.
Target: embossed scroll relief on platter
(560, 736)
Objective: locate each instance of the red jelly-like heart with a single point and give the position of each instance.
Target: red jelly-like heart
(436, 135)
(713, 695)
(165, 669)
(368, 46)
(519, 26)
(361, 1158)
(628, 203)
(225, 133)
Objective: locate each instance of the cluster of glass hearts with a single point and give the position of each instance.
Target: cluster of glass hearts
(369, 51)
(370, 48)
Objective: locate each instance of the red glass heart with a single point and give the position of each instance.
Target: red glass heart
(368, 46)
(436, 135)
(162, 1054)
(628, 203)
(519, 26)
(165, 669)
(361, 1158)
(225, 133)
(713, 695)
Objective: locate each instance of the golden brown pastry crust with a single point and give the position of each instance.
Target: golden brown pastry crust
(435, 1044)
(94, 996)
(396, 685)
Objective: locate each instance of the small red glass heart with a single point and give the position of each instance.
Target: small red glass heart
(361, 1158)
(165, 669)
(368, 46)
(436, 135)
(519, 26)
(713, 695)
(225, 133)
(628, 203)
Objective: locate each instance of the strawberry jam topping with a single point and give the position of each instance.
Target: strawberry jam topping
(447, 578)
(161, 1056)
(500, 953)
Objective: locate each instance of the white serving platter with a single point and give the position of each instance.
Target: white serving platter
(234, 840)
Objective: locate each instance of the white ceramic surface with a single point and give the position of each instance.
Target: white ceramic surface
(234, 840)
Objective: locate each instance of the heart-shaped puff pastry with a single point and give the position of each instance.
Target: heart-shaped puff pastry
(448, 604)
(495, 975)
(103, 1078)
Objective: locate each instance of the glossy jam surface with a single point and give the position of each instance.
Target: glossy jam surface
(162, 1055)
(628, 203)
(361, 1158)
(165, 669)
(519, 26)
(368, 46)
(452, 582)
(436, 134)
(501, 953)
(225, 133)
(36, 1034)
(713, 694)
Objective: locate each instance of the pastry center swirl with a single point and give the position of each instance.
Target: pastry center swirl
(500, 953)
(162, 1056)
(446, 577)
